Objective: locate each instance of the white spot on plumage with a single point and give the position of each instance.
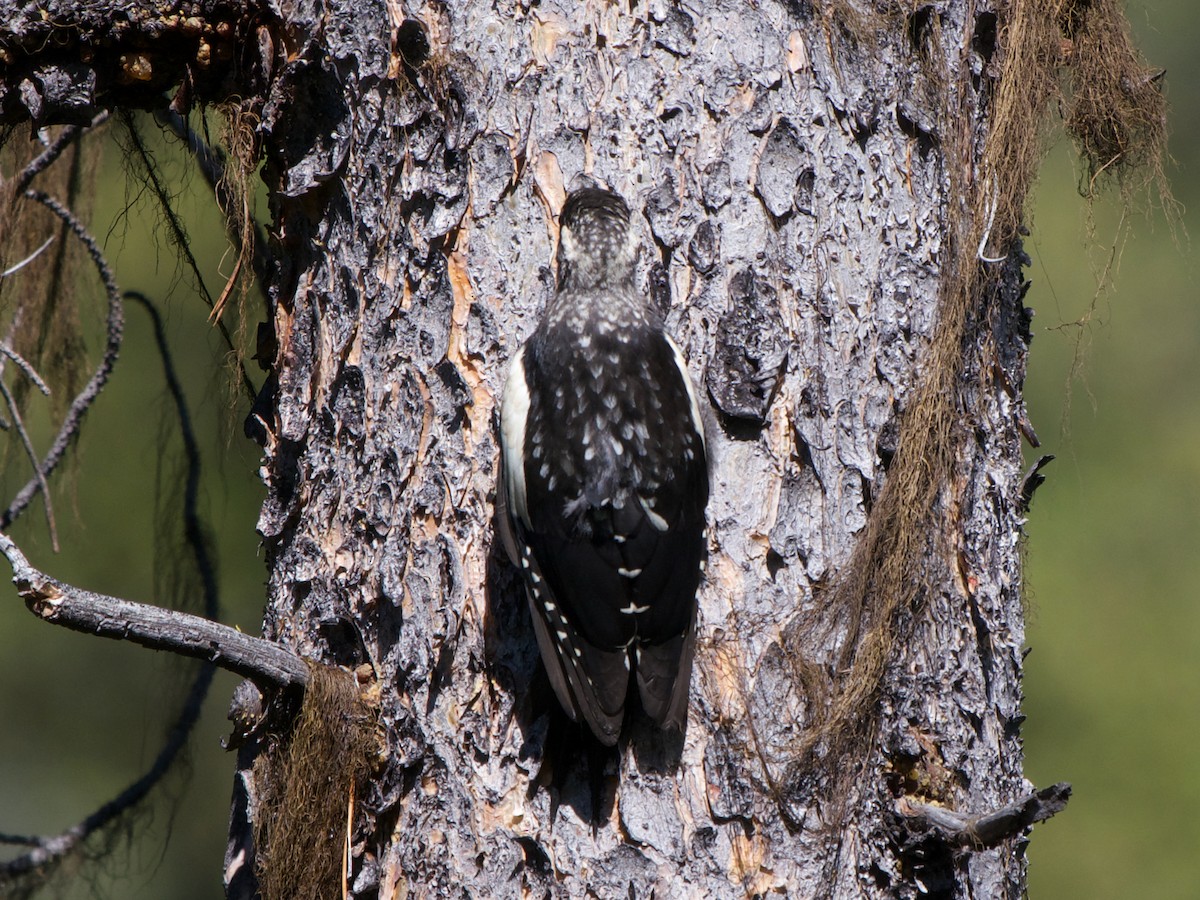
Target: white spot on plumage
(633, 609)
(562, 635)
(656, 520)
(629, 573)
(617, 448)
(589, 453)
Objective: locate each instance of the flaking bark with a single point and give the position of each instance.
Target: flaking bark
(416, 234)
(808, 179)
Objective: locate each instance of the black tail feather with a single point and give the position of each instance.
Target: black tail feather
(664, 675)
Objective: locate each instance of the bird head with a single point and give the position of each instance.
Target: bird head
(597, 245)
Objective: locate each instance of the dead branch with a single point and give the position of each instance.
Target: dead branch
(987, 829)
(17, 267)
(264, 662)
(87, 396)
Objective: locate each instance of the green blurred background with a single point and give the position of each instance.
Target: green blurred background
(1113, 680)
(83, 717)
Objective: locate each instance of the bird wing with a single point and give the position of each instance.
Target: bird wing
(609, 541)
(591, 682)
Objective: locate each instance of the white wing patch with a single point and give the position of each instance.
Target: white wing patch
(514, 415)
(691, 390)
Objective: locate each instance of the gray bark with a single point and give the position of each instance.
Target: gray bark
(793, 192)
(794, 171)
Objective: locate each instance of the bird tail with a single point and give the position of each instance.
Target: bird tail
(664, 676)
(591, 684)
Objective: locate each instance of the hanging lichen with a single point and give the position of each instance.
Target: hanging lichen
(1117, 115)
(310, 779)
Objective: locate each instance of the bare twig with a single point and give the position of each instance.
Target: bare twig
(264, 662)
(230, 284)
(17, 267)
(1033, 480)
(15, 411)
(179, 235)
(212, 167)
(24, 365)
(20, 840)
(988, 829)
(987, 228)
(87, 396)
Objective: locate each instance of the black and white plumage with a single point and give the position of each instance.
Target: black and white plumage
(604, 481)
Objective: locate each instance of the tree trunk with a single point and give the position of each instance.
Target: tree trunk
(798, 174)
(829, 215)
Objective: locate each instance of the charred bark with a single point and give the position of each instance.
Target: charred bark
(812, 183)
(791, 175)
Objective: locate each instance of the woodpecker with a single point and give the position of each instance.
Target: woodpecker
(604, 481)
